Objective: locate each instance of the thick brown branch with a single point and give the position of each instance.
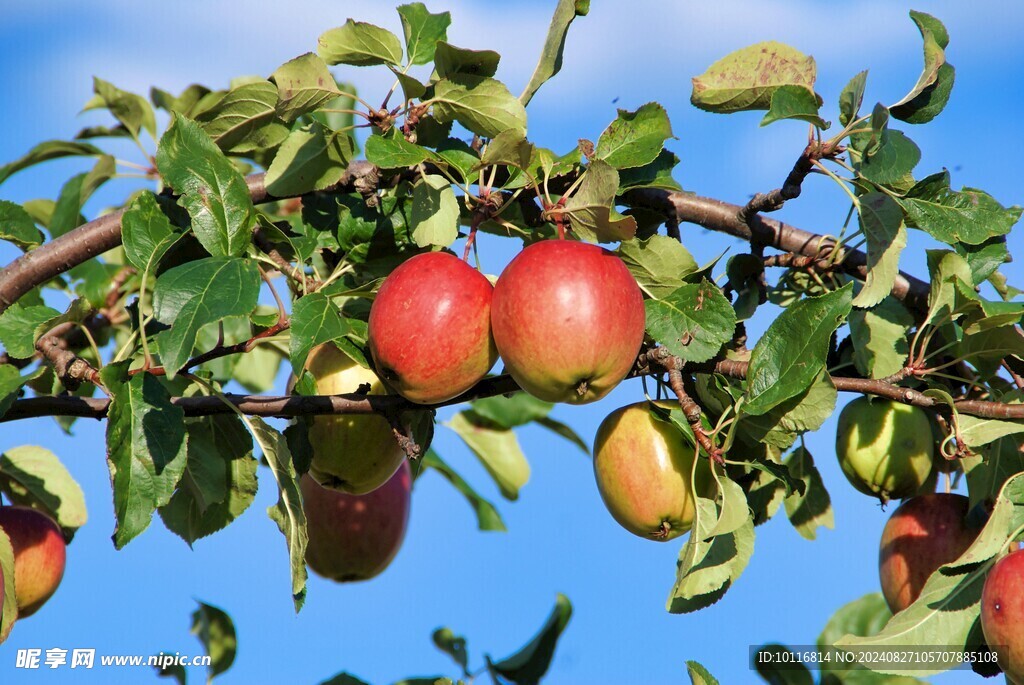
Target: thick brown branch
(775, 199)
(71, 369)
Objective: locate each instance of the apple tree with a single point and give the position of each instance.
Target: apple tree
(293, 222)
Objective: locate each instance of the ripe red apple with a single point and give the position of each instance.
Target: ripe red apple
(351, 453)
(39, 556)
(643, 466)
(355, 537)
(924, 533)
(430, 328)
(1002, 614)
(568, 320)
(884, 447)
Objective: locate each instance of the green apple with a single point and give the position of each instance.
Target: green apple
(643, 467)
(351, 453)
(885, 448)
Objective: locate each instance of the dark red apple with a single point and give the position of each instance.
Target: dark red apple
(430, 328)
(643, 467)
(355, 537)
(1002, 614)
(39, 556)
(568, 320)
(924, 533)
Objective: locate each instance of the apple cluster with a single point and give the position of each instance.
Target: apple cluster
(39, 557)
(886, 450)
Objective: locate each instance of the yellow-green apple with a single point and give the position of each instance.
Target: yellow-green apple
(568, 320)
(355, 537)
(885, 448)
(351, 453)
(1002, 614)
(430, 328)
(643, 467)
(924, 533)
(40, 554)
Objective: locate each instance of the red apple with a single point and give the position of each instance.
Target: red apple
(39, 556)
(430, 328)
(355, 537)
(924, 533)
(1002, 614)
(643, 467)
(568, 320)
(351, 453)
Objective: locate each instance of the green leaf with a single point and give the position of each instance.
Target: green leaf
(198, 293)
(287, 513)
(345, 679)
(795, 102)
(67, 212)
(511, 411)
(304, 84)
(315, 319)
(182, 104)
(393, 151)
(931, 101)
(591, 209)
(9, 607)
(435, 212)
(18, 325)
(146, 233)
(34, 476)
(708, 566)
(693, 322)
(657, 174)
(47, 150)
(851, 97)
(780, 425)
(338, 121)
(935, 41)
(219, 482)
(18, 227)
(699, 675)
(947, 611)
(977, 431)
(550, 62)
(311, 158)
(944, 267)
(130, 109)
(496, 448)
(11, 383)
(360, 44)
(746, 79)
(487, 516)
(245, 118)
(659, 264)
(422, 31)
(792, 352)
(481, 104)
(509, 148)
(891, 164)
(450, 60)
(212, 190)
(811, 509)
(968, 216)
(529, 664)
(881, 222)
(879, 337)
(451, 644)
(412, 88)
(635, 138)
(145, 448)
(216, 631)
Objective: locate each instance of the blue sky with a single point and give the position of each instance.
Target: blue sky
(495, 588)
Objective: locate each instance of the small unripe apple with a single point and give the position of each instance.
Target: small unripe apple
(568, 320)
(1002, 614)
(430, 328)
(39, 556)
(352, 453)
(643, 467)
(355, 537)
(924, 533)
(885, 448)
